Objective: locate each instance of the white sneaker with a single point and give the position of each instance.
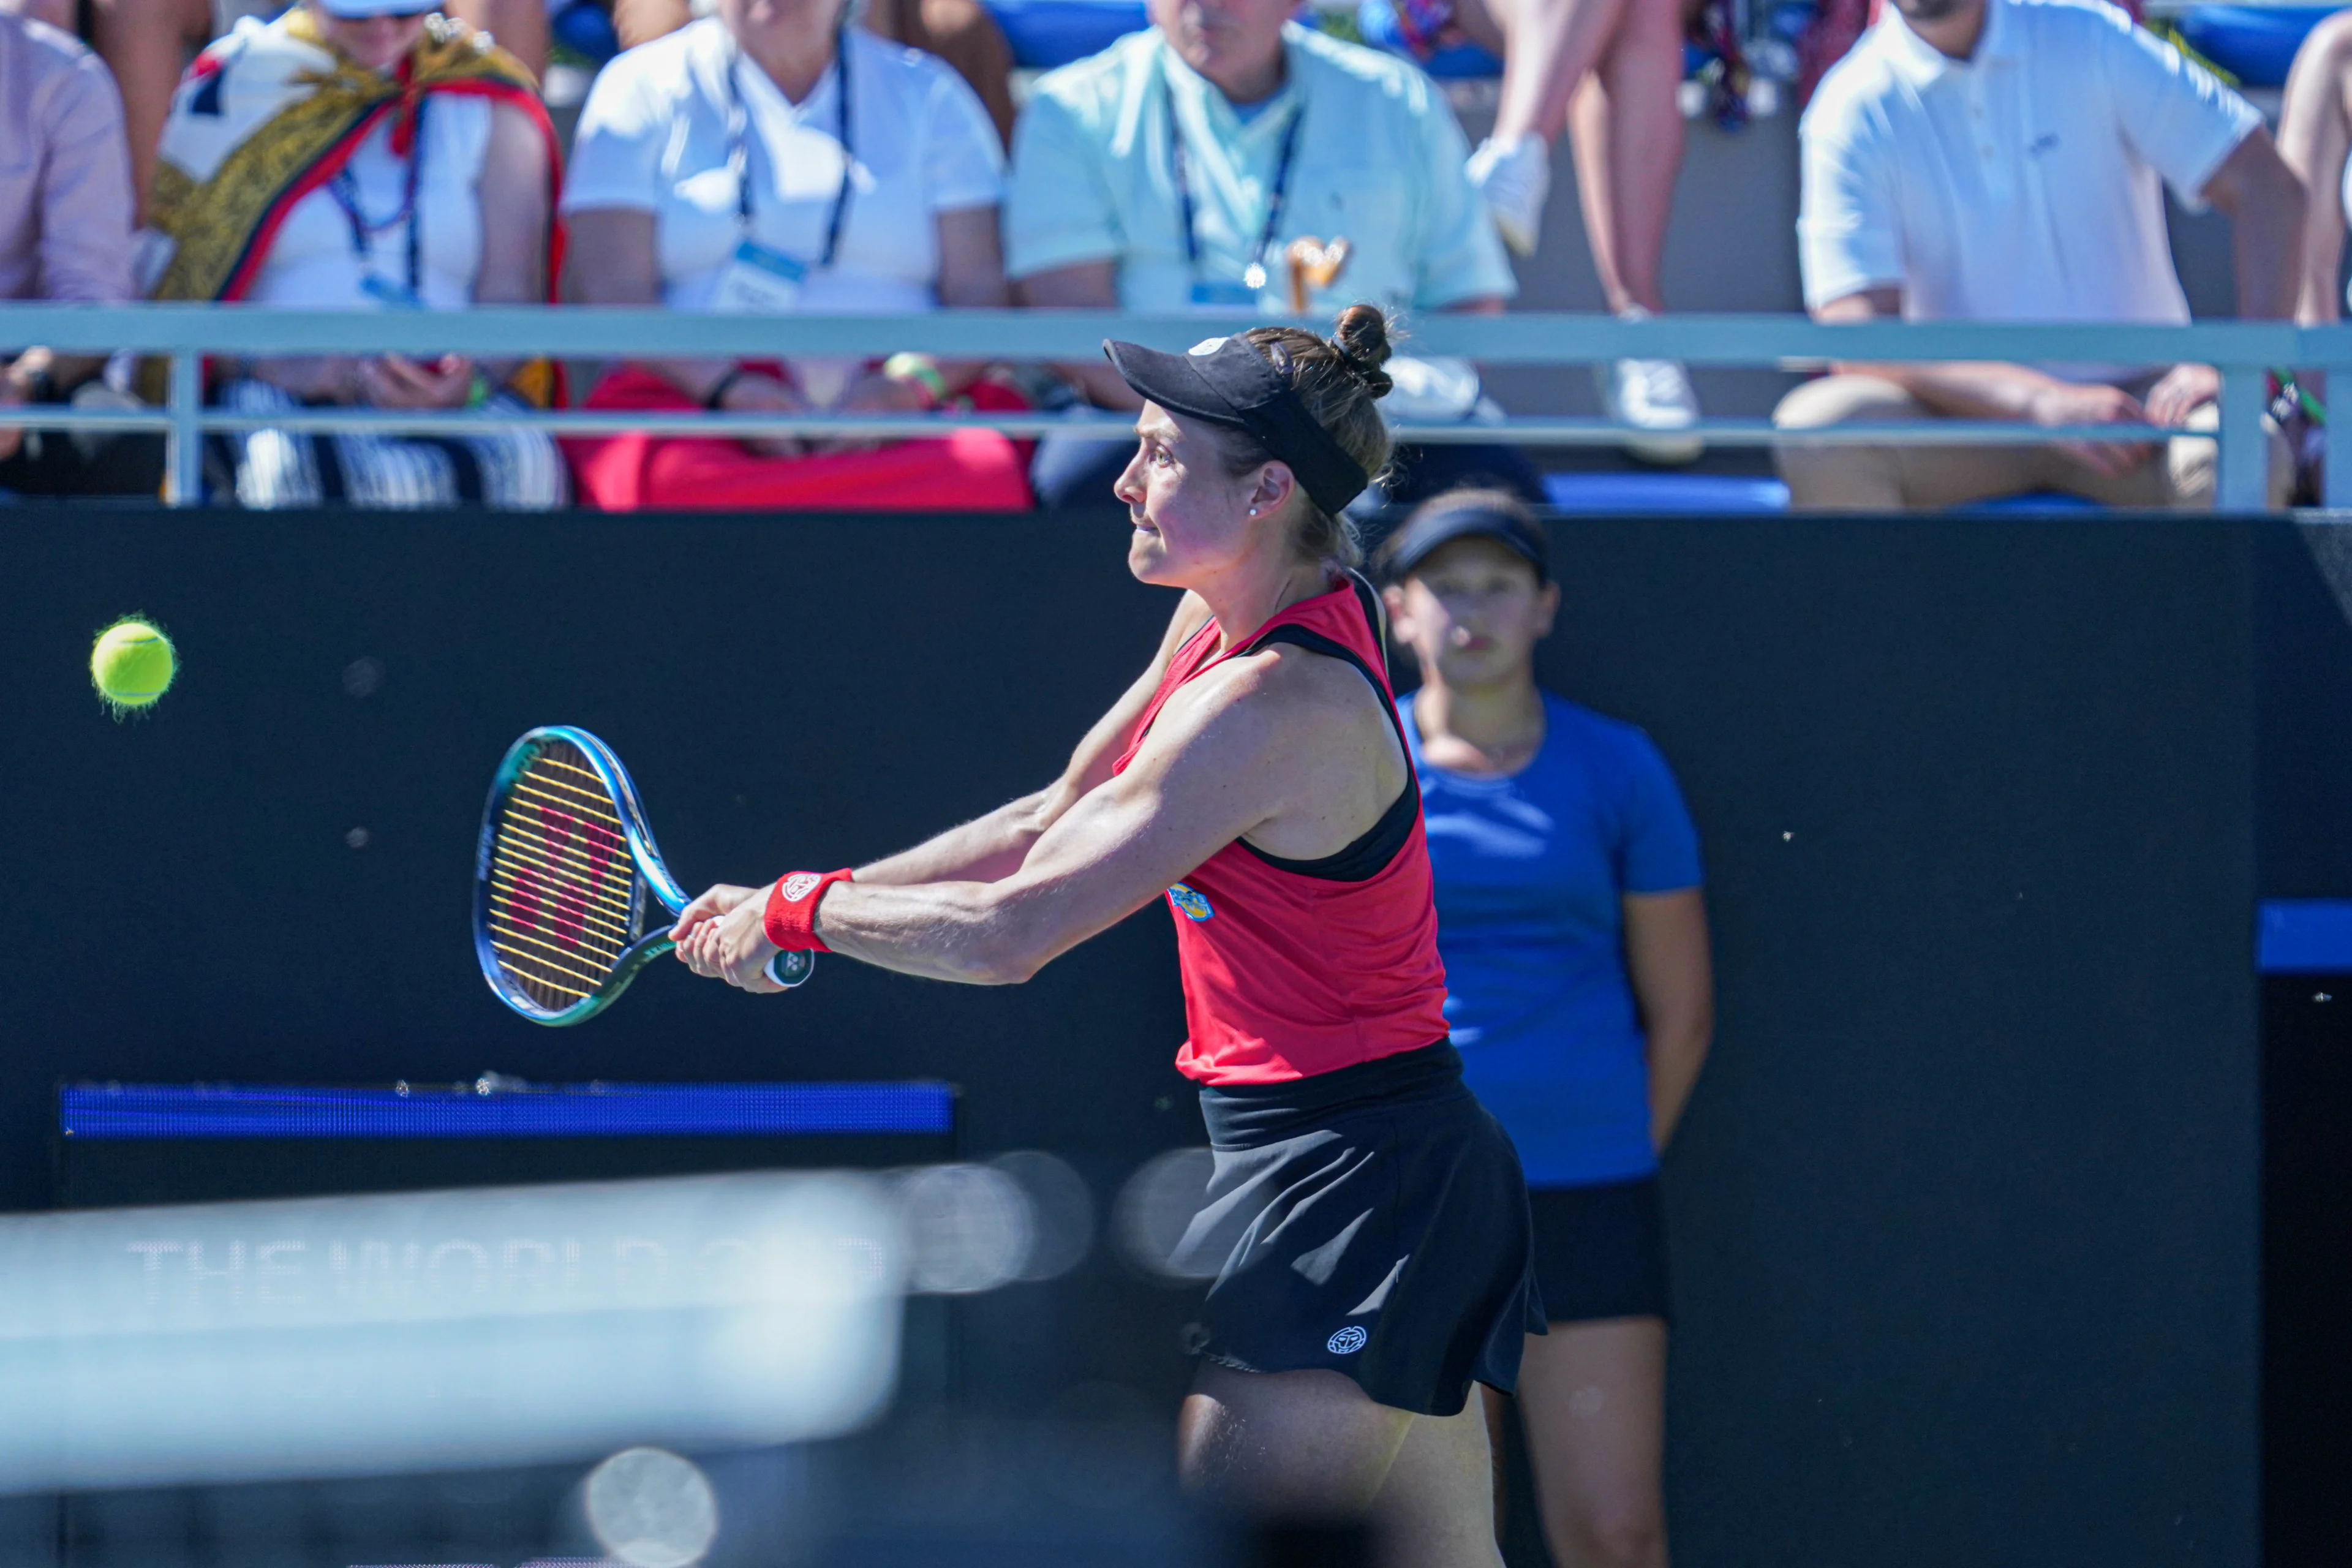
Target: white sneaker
(1512, 178)
(1654, 396)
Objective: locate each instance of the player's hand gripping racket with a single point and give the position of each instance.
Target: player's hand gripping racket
(561, 879)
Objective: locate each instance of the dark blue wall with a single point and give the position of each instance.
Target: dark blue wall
(1965, 1213)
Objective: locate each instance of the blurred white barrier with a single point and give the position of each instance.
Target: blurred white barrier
(372, 1335)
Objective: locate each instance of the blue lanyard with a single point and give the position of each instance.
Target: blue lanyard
(1254, 275)
(345, 190)
(739, 152)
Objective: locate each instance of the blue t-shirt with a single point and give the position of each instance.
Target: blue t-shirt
(1530, 871)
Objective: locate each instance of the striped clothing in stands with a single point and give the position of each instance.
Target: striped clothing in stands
(518, 471)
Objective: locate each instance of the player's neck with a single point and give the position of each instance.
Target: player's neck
(1244, 600)
(1481, 729)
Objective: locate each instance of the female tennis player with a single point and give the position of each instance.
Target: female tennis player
(1366, 1220)
(1577, 988)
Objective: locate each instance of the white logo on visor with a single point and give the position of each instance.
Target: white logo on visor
(1346, 1341)
(1206, 346)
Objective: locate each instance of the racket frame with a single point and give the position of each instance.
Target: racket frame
(786, 969)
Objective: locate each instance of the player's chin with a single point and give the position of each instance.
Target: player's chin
(1147, 555)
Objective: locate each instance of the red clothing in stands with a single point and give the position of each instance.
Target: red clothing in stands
(969, 470)
(1295, 968)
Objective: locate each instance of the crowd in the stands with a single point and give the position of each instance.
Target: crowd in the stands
(1989, 159)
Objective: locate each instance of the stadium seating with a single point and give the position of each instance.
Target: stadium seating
(1048, 32)
(1377, 21)
(2256, 44)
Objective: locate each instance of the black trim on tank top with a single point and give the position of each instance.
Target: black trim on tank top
(1370, 853)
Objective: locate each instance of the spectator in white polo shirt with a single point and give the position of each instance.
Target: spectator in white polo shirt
(1175, 169)
(2003, 161)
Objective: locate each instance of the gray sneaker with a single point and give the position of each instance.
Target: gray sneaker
(1512, 178)
(1654, 396)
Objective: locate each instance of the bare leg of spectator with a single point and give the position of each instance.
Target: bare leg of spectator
(1616, 63)
(1548, 48)
(146, 44)
(1896, 477)
(2314, 137)
(519, 26)
(1628, 144)
(1628, 141)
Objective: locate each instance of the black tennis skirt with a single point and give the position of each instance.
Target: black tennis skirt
(1372, 1222)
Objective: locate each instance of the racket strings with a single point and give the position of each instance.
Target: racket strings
(564, 895)
(506, 888)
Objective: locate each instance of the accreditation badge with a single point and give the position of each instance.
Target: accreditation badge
(758, 281)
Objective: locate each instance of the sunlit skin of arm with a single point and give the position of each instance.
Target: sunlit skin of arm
(1667, 959)
(1273, 747)
(1289, 748)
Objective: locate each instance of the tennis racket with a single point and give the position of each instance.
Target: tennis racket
(561, 877)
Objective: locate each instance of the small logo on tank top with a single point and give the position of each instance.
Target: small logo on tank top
(1346, 1341)
(1191, 905)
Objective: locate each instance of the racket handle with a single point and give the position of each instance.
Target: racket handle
(790, 969)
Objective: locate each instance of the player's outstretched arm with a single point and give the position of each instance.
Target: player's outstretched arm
(991, 846)
(1215, 766)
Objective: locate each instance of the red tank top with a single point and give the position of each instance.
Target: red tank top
(1293, 968)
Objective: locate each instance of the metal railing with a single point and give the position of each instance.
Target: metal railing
(187, 334)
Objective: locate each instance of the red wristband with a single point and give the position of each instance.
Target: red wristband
(789, 918)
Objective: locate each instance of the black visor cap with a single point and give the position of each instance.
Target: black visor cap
(1421, 538)
(1227, 382)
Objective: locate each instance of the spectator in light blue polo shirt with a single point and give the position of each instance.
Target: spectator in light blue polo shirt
(1175, 169)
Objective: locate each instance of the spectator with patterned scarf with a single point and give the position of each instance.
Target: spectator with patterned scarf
(362, 155)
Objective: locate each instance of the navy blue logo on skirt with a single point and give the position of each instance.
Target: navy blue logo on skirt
(1346, 1341)
(1192, 905)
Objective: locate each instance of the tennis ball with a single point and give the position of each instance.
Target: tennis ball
(131, 665)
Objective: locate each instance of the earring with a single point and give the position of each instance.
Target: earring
(1253, 511)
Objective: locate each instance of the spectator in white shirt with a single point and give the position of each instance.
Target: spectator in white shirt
(769, 160)
(2003, 161)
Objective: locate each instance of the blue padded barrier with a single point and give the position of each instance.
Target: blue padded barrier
(2305, 936)
(2256, 44)
(1624, 494)
(87, 1111)
(1048, 32)
(2037, 501)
